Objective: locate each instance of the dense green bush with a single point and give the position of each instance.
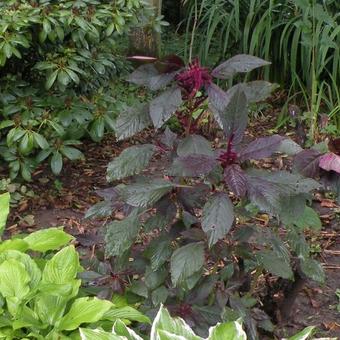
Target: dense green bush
(56, 61)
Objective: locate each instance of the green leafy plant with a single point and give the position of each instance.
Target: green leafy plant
(201, 253)
(40, 295)
(57, 60)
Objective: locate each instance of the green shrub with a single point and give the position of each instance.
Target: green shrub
(57, 59)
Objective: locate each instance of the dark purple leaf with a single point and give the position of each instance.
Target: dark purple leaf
(168, 138)
(193, 165)
(306, 163)
(234, 118)
(330, 162)
(218, 99)
(148, 76)
(194, 144)
(163, 106)
(236, 179)
(169, 63)
(255, 91)
(194, 197)
(241, 63)
(261, 148)
(217, 217)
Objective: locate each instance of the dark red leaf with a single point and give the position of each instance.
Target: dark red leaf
(261, 148)
(306, 163)
(236, 180)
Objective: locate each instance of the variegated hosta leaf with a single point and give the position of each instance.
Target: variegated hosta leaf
(193, 165)
(307, 162)
(236, 180)
(261, 148)
(147, 193)
(217, 217)
(165, 105)
(148, 76)
(132, 120)
(241, 63)
(130, 162)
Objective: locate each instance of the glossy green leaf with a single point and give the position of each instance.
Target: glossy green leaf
(4, 210)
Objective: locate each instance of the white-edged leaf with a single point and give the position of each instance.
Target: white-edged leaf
(227, 331)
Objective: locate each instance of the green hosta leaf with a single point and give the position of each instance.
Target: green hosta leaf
(275, 264)
(186, 261)
(303, 335)
(63, 267)
(313, 269)
(4, 210)
(14, 244)
(48, 239)
(14, 279)
(130, 162)
(194, 144)
(164, 106)
(125, 313)
(119, 328)
(121, 234)
(84, 310)
(30, 266)
(166, 327)
(146, 193)
(227, 331)
(218, 217)
(97, 334)
(131, 121)
(309, 219)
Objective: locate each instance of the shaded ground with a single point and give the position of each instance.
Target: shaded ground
(64, 201)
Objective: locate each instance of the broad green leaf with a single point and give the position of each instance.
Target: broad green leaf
(227, 331)
(217, 217)
(119, 328)
(4, 210)
(120, 235)
(309, 219)
(56, 163)
(131, 121)
(71, 153)
(186, 261)
(164, 106)
(147, 193)
(51, 79)
(63, 267)
(175, 328)
(24, 259)
(14, 244)
(125, 313)
(14, 279)
(130, 162)
(303, 335)
(84, 310)
(313, 269)
(159, 295)
(275, 264)
(194, 144)
(97, 334)
(47, 239)
(40, 140)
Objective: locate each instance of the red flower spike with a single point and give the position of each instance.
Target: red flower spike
(194, 78)
(229, 157)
